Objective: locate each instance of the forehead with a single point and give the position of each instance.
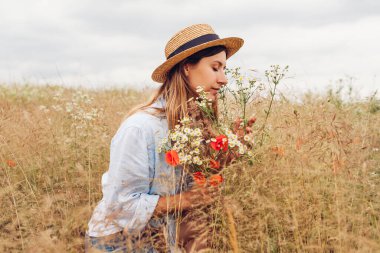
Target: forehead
(217, 58)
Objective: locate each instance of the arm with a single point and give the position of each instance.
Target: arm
(127, 194)
(130, 175)
(196, 197)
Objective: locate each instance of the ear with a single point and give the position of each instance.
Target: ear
(186, 69)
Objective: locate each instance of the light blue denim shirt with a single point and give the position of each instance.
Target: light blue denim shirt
(136, 177)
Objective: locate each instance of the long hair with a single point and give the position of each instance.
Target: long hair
(177, 91)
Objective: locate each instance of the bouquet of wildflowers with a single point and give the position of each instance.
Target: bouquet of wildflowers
(203, 146)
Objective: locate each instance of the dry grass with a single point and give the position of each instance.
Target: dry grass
(314, 186)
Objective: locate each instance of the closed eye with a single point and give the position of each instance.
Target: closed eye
(220, 64)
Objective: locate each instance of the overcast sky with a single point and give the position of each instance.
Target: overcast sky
(98, 43)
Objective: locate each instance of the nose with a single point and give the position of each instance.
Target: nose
(222, 79)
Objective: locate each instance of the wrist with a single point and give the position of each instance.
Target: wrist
(184, 202)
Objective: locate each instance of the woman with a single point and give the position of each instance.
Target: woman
(141, 192)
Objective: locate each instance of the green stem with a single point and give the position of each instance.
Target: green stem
(267, 113)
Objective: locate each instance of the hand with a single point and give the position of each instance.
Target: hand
(199, 196)
(239, 129)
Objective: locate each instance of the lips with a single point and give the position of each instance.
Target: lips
(214, 91)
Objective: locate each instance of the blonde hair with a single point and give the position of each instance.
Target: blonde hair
(176, 90)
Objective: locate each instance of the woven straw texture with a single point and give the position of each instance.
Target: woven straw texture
(186, 35)
(233, 44)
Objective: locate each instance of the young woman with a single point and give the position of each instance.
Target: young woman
(141, 192)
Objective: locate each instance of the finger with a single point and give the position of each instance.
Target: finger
(248, 130)
(208, 193)
(215, 196)
(240, 132)
(216, 192)
(251, 121)
(238, 119)
(238, 122)
(215, 189)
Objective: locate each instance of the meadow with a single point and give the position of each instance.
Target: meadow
(314, 185)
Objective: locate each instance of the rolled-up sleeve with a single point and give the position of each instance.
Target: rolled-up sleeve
(129, 180)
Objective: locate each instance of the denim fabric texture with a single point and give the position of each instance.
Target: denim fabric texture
(114, 243)
(136, 177)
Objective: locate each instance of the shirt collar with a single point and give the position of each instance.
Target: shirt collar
(159, 103)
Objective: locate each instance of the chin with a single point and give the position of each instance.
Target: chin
(212, 97)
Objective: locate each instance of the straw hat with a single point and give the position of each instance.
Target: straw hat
(189, 41)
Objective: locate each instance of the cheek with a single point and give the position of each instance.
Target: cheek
(204, 77)
(208, 79)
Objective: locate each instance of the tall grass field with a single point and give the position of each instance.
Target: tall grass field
(314, 185)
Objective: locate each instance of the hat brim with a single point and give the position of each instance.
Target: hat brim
(232, 44)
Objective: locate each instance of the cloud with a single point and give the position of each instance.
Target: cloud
(100, 42)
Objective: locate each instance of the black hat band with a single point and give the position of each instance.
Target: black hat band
(194, 42)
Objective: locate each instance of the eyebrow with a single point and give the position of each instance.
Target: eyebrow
(220, 63)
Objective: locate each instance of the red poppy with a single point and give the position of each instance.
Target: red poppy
(199, 178)
(215, 180)
(172, 158)
(11, 163)
(214, 164)
(220, 143)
